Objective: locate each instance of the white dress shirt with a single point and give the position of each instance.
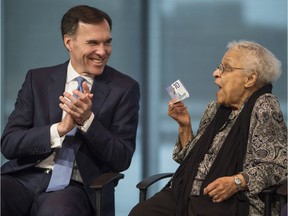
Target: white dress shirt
(56, 140)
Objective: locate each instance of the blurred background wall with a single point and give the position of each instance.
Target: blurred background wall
(154, 41)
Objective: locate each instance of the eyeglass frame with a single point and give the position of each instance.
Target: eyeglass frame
(223, 69)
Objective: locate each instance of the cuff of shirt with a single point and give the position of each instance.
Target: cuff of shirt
(56, 140)
(84, 128)
(246, 178)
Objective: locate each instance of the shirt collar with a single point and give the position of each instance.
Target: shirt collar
(72, 74)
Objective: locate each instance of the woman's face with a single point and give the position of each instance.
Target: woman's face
(232, 80)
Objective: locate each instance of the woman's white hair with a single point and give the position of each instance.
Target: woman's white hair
(260, 60)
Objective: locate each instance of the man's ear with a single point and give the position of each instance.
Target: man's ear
(251, 80)
(67, 42)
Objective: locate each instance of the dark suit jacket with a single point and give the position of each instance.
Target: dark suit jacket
(107, 146)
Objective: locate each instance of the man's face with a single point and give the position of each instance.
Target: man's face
(90, 48)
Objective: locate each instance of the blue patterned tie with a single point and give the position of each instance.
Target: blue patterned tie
(65, 157)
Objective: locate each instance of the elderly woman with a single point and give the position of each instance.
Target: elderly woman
(239, 148)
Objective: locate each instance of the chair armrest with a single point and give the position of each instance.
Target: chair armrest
(270, 190)
(282, 190)
(282, 193)
(268, 195)
(105, 179)
(145, 183)
(102, 181)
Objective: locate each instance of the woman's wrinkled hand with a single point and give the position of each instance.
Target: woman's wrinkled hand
(221, 189)
(178, 111)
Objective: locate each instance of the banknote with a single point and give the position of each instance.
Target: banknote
(177, 91)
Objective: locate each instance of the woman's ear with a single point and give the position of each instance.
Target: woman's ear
(251, 80)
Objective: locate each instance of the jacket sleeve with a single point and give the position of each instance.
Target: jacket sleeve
(266, 159)
(21, 137)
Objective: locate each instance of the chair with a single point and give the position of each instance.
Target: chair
(147, 182)
(268, 195)
(102, 181)
(282, 193)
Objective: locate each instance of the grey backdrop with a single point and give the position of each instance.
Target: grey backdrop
(156, 42)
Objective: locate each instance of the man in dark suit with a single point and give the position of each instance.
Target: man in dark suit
(105, 116)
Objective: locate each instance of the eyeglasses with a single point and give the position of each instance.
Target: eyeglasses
(223, 68)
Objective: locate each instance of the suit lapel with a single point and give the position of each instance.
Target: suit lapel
(56, 88)
(101, 90)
